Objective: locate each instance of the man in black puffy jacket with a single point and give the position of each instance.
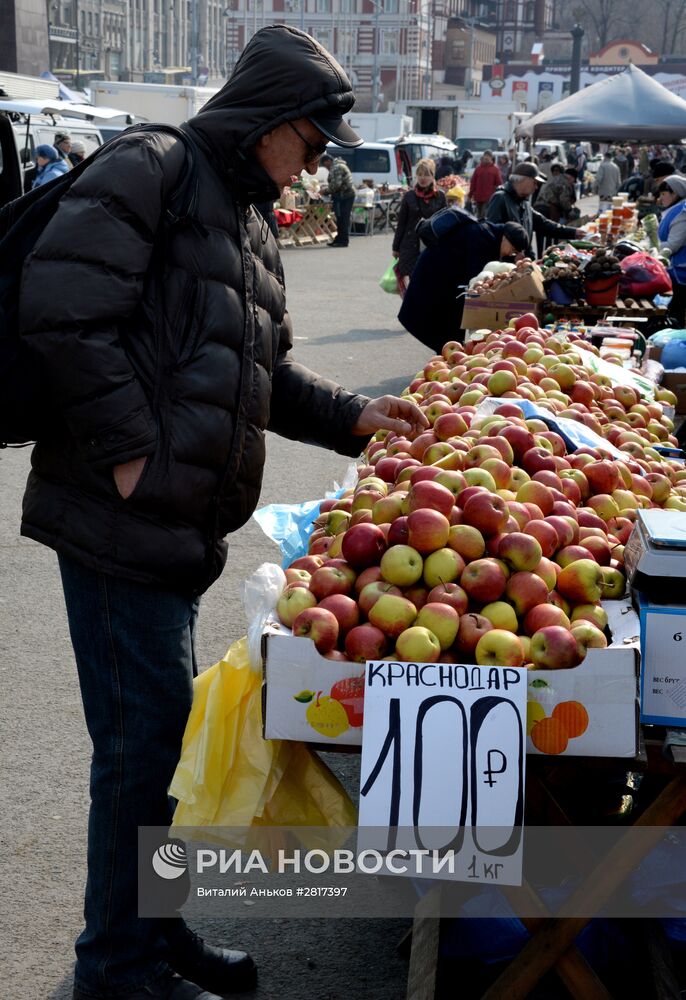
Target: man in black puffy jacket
(168, 353)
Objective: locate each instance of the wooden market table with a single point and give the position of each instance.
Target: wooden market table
(642, 310)
(317, 227)
(551, 944)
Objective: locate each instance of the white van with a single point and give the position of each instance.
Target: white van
(376, 161)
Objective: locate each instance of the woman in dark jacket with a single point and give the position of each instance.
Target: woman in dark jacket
(423, 201)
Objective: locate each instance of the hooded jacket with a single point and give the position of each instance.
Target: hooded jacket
(672, 230)
(175, 343)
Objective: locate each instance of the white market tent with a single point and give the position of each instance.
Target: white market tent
(628, 106)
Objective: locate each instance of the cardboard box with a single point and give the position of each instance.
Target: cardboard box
(494, 310)
(606, 684)
(480, 314)
(663, 662)
(676, 382)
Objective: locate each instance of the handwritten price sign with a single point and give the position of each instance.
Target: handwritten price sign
(443, 765)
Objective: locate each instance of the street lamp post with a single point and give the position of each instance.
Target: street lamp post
(78, 43)
(194, 42)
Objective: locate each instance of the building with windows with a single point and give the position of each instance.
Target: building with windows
(393, 50)
(23, 36)
(520, 24)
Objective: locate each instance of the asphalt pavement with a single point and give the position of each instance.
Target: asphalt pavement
(345, 328)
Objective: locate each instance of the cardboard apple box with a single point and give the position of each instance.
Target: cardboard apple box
(296, 678)
(493, 310)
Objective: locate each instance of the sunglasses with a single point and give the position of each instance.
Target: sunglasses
(311, 152)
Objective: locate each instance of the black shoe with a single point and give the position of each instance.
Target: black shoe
(167, 988)
(335, 244)
(219, 970)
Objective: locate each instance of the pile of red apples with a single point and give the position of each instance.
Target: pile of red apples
(482, 540)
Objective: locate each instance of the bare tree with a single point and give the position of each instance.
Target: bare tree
(672, 18)
(607, 19)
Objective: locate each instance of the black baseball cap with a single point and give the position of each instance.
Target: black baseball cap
(336, 130)
(527, 170)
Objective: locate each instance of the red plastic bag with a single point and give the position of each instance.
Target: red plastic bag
(643, 276)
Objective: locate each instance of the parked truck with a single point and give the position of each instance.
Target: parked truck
(466, 122)
(378, 127)
(155, 102)
(16, 87)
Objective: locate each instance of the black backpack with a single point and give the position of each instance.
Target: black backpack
(24, 393)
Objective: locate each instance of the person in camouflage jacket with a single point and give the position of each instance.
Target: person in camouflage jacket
(342, 191)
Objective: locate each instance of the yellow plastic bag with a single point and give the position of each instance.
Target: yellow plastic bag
(229, 776)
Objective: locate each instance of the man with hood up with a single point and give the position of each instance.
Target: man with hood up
(168, 352)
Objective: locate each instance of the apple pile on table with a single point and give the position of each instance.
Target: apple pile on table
(482, 539)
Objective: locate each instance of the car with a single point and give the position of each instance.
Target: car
(375, 161)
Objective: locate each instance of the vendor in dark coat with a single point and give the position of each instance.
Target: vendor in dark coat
(458, 248)
(512, 203)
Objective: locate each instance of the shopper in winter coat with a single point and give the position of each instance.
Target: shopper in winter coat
(556, 197)
(342, 190)
(422, 202)
(50, 165)
(484, 183)
(512, 203)
(167, 349)
(672, 235)
(609, 179)
(459, 247)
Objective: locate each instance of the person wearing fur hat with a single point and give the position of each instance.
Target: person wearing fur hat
(50, 165)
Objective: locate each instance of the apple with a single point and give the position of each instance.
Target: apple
(345, 610)
(525, 591)
(298, 577)
(467, 541)
(470, 630)
(369, 575)
(398, 532)
(442, 620)
(537, 493)
(392, 613)
(428, 529)
(603, 505)
(308, 563)
(484, 580)
(614, 583)
(581, 582)
(363, 545)
(365, 642)
(370, 594)
(319, 625)
(520, 550)
(418, 644)
(603, 477)
(599, 549)
(543, 615)
(519, 438)
(501, 615)
(499, 648)
(452, 479)
(449, 425)
(555, 648)
(588, 636)
(401, 565)
(329, 580)
(418, 594)
(432, 495)
(487, 512)
(388, 508)
(545, 534)
(525, 323)
(451, 594)
(442, 566)
(572, 553)
(593, 613)
(292, 601)
(563, 528)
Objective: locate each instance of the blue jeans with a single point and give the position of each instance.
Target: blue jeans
(342, 208)
(135, 658)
